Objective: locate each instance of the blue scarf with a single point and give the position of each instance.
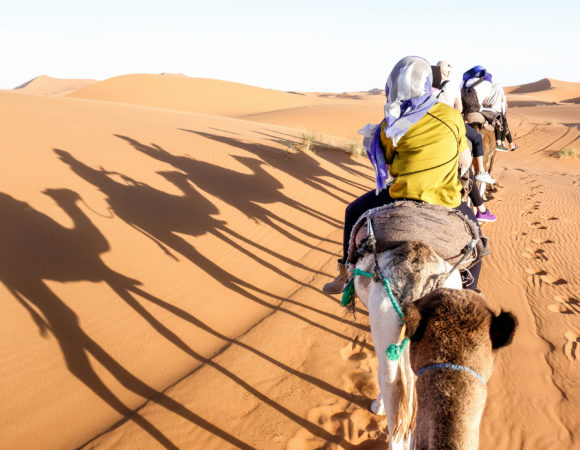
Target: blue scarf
(477, 72)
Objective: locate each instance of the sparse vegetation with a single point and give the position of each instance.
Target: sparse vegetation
(355, 149)
(568, 152)
(307, 143)
(310, 141)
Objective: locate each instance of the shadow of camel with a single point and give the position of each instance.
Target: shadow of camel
(159, 215)
(36, 248)
(306, 169)
(39, 249)
(243, 191)
(327, 152)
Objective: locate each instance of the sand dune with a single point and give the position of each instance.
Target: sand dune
(46, 85)
(543, 92)
(337, 120)
(162, 271)
(195, 95)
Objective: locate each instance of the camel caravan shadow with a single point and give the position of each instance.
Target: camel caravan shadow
(37, 248)
(307, 170)
(249, 192)
(160, 215)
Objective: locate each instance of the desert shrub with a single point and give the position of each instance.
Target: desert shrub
(567, 152)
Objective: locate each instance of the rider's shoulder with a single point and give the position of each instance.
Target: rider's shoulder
(445, 112)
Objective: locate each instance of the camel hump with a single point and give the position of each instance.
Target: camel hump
(447, 231)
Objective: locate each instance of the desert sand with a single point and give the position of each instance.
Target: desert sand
(165, 240)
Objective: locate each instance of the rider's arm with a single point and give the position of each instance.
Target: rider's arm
(387, 145)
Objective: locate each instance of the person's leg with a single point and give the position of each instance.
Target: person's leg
(508, 134)
(504, 129)
(476, 141)
(470, 282)
(483, 214)
(498, 136)
(356, 209)
(477, 152)
(353, 211)
(474, 194)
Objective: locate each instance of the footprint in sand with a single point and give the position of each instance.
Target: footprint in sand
(538, 225)
(539, 277)
(359, 376)
(538, 254)
(571, 346)
(351, 426)
(542, 241)
(350, 423)
(565, 306)
(354, 350)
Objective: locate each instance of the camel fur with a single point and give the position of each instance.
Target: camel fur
(457, 327)
(413, 269)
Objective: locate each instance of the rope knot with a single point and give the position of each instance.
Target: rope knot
(394, 351)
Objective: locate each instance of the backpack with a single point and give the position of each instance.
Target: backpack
(469, 98)
(436, 72)
(441, 86)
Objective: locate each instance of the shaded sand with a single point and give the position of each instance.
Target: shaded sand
(162, 271)
(46, 85)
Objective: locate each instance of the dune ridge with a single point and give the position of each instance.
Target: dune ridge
(46, 85)
(194, 94)
(542, 92)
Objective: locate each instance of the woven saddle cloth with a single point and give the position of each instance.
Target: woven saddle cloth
(445, 230)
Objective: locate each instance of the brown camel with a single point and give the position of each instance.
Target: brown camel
(454, 339)
(413, 269)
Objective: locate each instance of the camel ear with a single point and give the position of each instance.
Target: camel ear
(412, 317)
(502, 329)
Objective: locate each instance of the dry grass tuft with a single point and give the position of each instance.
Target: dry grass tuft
(567, 152)
(355, 149)
(311, 142)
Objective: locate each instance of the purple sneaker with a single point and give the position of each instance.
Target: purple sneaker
(486, 216)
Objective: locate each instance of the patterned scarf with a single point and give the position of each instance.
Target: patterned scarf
(408, 92)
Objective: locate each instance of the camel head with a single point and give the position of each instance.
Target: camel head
(62, 195)
(454, 338)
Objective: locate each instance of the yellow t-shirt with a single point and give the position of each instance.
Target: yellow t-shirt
(424, 163)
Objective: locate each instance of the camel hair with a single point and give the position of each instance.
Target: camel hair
(413, 270)
(454, 341)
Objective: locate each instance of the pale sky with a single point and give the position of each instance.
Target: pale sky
(314, 45)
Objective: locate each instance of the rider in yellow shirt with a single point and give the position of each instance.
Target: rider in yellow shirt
(424, 162)
(420, 139)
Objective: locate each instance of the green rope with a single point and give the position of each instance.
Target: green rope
(393, 351)
(393, 300)
(348, 293)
